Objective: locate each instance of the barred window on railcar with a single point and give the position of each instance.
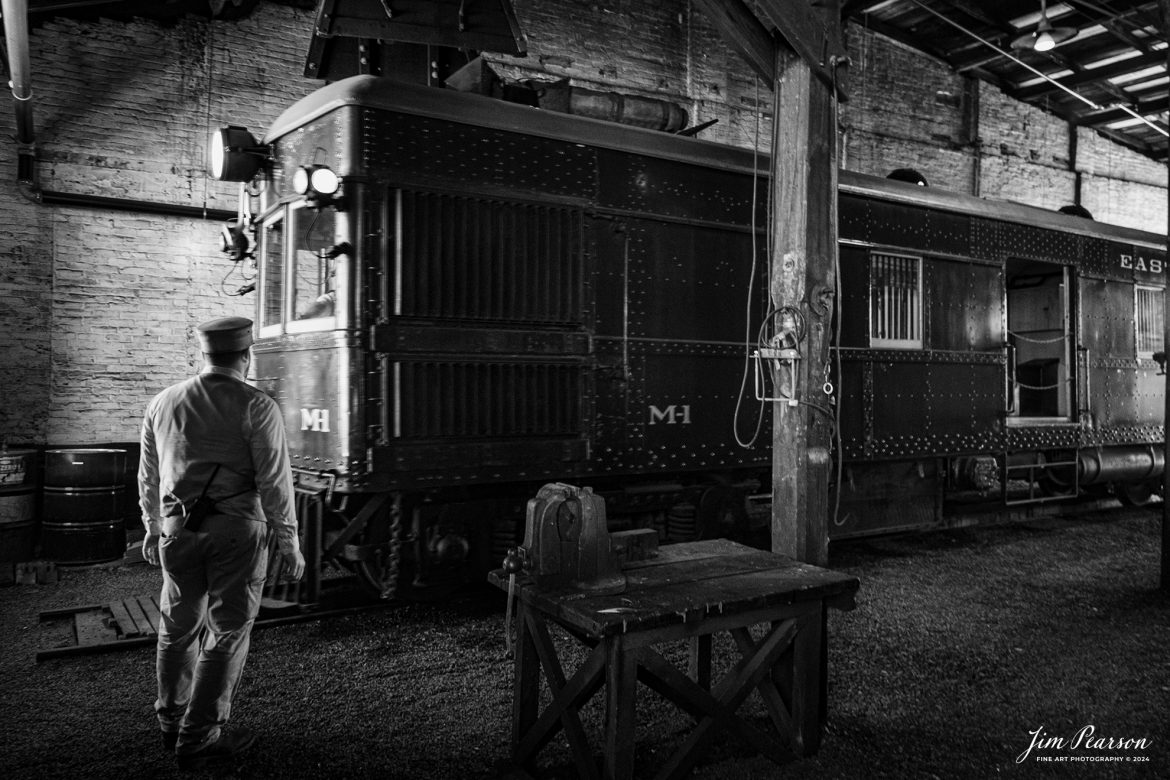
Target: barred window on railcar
(895, 301)
(1148, 318)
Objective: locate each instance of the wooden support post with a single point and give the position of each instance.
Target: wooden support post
(803, 276)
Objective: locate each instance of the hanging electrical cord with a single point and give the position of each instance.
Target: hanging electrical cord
(835, 347)
(747, 346)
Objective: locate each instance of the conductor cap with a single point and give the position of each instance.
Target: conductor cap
(227, 334)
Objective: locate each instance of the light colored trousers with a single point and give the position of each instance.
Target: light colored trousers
(212, 581)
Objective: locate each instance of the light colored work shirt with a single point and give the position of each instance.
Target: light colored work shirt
(217, 418)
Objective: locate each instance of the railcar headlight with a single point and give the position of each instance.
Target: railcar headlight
(318, 183)
(234, 154)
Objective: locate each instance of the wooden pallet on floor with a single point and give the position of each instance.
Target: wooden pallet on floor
(121, 624)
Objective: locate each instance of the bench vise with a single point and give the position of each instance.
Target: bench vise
(567, 543)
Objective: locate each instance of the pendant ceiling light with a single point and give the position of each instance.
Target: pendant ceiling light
(1045, 36)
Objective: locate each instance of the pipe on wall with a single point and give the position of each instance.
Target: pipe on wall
(15, 18)
(15, 13)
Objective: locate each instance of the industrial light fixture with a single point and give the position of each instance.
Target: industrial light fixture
(319, 184)
(234, 154)
(1045, 37)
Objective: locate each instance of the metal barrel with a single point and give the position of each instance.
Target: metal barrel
(84, 506)
(18, 501)
(18, 505)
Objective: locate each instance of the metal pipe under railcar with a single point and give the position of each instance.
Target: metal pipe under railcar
(499, 297)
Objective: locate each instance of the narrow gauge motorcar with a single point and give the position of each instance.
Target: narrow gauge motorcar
(460, 299)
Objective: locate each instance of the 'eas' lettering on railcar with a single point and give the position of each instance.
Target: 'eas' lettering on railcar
(671, 415)
(1151, 264)
(315, 420)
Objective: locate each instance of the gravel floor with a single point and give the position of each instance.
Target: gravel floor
(964, 642)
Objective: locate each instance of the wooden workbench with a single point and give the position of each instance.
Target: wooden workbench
(688, 592)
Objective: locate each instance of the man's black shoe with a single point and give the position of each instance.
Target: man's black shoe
(169, 739)
(227, 746)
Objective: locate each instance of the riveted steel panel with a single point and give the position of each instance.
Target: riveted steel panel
(898, 225)
(1064, 436)
(1107, 318)
(853, 308)
(1007, 239)
(935, 407)
(669, 188)
(965, 303)
(679, 282)
(303, 374)
(1124, 434)
(418, 149)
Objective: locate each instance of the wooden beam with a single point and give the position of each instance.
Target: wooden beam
(803, 281)
(1093, 76)
(740, 28)
(814, 33)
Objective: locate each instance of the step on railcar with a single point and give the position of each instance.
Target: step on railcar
(460, 299)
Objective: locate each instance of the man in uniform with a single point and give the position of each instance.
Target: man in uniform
(215, 481)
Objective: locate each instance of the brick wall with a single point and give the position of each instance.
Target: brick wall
(97, 306)
(907, 109)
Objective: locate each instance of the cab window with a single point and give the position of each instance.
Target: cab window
(313, 269)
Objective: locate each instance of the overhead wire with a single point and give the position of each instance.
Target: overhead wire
(751, 292)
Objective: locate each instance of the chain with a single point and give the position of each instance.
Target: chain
(394, 549)
(1031, 340)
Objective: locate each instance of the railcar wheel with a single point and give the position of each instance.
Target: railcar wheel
(1057, 480)
(723, 514)
(1133, 493)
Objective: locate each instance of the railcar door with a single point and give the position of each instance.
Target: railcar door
(1040, 328)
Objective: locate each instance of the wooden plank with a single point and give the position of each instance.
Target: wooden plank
(773, 701)
(692, 605)
(621, 689)
(699, 660)
(50, 614)
(690, 588)
(141, 616)
(149, 605)
(525, 684)
(730, 693)
(587, 680)
(566, 699)
(92, 628)
(661, 676)
(127, 627)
